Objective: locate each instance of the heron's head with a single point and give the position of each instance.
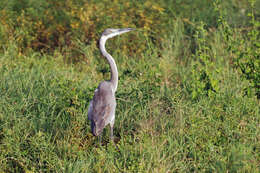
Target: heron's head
(97, 127)
(110, 32)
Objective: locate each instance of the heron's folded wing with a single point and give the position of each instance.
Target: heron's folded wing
(102, 104)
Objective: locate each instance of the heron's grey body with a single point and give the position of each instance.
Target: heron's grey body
(102, 108)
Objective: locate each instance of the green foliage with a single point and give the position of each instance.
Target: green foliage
(245, 49)
(158, 127)
(203, 66)
(47, 25)
(181, 102)
(248, 60)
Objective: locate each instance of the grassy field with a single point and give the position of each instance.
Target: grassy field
(187, 100)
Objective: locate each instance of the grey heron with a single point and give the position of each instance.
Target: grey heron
(101, 111)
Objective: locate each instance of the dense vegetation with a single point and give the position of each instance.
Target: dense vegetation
(188, 96)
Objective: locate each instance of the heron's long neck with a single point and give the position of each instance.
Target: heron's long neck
(112, 64)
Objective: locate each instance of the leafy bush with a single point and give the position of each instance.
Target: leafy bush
(244, 48)
(203, 67)
(248, 59)
(46, 25)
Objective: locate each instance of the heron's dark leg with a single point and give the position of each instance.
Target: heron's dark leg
(100, 139)
(111, 132)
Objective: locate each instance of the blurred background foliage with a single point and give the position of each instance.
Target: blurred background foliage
(45, 25)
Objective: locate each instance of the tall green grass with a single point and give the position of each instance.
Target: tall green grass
(159, 127)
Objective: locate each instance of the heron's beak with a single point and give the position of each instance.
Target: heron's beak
(124, 30)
